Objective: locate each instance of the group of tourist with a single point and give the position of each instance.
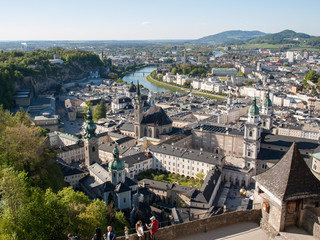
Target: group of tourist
(110, 235)
(153, 227)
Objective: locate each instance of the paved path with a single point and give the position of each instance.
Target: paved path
(240, 231)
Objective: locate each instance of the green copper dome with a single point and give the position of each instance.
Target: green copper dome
(254, 110)
(90, 127)
(267, 102)
(116, 164)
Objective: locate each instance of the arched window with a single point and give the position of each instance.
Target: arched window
(157, 133)
(150, 132)
(250, 133)
(145, 133)
(93, 149)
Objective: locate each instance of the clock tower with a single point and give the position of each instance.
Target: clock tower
(91, 150)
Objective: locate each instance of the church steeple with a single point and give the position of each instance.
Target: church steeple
(138, 94)
(90, 127)
(138, 112)
(91, 151)
(116, 167)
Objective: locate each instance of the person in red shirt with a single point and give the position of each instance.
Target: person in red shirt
(153, 227)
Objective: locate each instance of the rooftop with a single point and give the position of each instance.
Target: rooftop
(290, 178)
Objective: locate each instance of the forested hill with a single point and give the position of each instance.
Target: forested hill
(33, 69)
(229, 36)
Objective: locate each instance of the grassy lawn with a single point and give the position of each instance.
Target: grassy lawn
(174, 88)
(208, 96)
(171, 178)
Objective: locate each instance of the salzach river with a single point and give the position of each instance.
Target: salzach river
(140, 75)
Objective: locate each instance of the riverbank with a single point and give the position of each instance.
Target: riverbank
(164, 85)
(181, 89)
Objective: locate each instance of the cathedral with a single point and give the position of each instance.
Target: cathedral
(153, 123)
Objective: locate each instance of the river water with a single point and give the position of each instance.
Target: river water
(140, 75)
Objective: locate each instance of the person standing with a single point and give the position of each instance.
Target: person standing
(153, 227)
(110, 235)
(97, 235)
(139, 229)
(126, 232)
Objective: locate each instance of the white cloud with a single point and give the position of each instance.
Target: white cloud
(145, 23)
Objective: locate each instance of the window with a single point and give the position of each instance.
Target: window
(124, 200)
(93, 149)
(250, 133)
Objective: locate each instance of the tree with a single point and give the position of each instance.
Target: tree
(103, 108)
(174, 71)
(312, 76)
(97, 113)
(187, 84)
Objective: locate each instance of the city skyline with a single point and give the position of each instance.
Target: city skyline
(145, 20)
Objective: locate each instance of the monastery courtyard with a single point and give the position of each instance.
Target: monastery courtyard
(248, 231)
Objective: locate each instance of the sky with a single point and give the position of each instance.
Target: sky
(151, 19)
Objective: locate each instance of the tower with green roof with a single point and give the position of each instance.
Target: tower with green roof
(116, 168)
(252, 135)
(266, 112)
(91, 151)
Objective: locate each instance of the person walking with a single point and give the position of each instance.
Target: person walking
(98, 234)
(153, 227)
(139, 229)
(110, 235)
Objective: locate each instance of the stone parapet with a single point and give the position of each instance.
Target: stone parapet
(203, 225)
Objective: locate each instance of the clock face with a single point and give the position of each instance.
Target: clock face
(93, 140)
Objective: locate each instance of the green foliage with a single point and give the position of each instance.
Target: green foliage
(29, 177)
(22, 147)
(312, 76)
(187, 84)
(100, 110)
(249, 83)
(171, 178)
(16, 65)
(240, 74)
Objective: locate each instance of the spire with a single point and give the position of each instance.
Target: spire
(138, 94)
(90, 127)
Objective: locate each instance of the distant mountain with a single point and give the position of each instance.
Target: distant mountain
(230, 36)
(286, 36)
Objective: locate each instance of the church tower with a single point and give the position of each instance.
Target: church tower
(266, 110)
(91, 150)
(116, 168)
(252, 135)
(138, 113)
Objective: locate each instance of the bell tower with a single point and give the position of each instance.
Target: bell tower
(91, 150)
(138, 113)
(252, 135)
(116, 168)
(266, 116)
